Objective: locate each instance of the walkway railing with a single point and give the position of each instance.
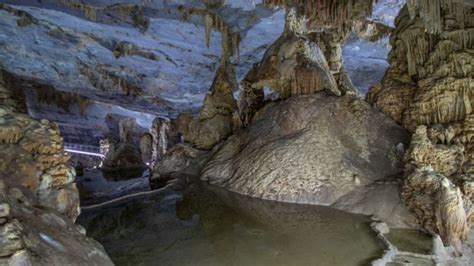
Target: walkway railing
(83, 149)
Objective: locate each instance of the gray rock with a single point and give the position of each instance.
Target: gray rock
(4, 210)
(180, 162)
(381, 228)
(125, 157)
(10, 239)
(42, 236)
(382, 201)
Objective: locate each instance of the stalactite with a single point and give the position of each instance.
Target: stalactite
(465, 38)
(417, 50)
(235, 45)
(430, 12)
(429, 88)
(208, 21)
(90, 12)
(226, 52)
(339, 13)
(230, 37)
(61, 99)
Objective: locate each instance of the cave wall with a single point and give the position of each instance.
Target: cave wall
(429, 89)
(35, 149)
(11, 94)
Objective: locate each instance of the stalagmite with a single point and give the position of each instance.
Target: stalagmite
(307, 58)
(160, 131)
(146, 147)
(126, 127)
(451, 218)
(328, 12)
(215, 120)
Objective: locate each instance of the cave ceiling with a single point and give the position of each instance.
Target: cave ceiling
(79, 61)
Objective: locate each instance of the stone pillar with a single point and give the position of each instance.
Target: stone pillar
(126, 128)
(160, 132)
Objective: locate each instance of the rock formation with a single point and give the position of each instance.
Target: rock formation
(160, 131)
(307, 58)
(11, 97)
(39, 201)
(292, 66)
(32, 235)
(36, 150)
(127, 130)
(182, 162)
(146, 147)
(125, 155)
(429, 90)
(432, 188)
(310, 149)
(216, 119)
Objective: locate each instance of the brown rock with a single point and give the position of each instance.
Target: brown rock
(429, 89)
(36, 149)
(215, 122)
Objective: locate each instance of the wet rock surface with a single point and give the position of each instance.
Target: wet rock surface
(96, 187)
(35, 235)
(118, 70)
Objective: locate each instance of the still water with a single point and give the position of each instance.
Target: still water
(209, 226)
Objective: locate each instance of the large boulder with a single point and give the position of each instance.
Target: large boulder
(310, 149)
(125, 157)
(31, 235)
(182, 161)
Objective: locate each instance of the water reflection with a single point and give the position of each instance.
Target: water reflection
(209, 226)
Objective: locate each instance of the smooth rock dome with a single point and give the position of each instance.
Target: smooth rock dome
(309, 149)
